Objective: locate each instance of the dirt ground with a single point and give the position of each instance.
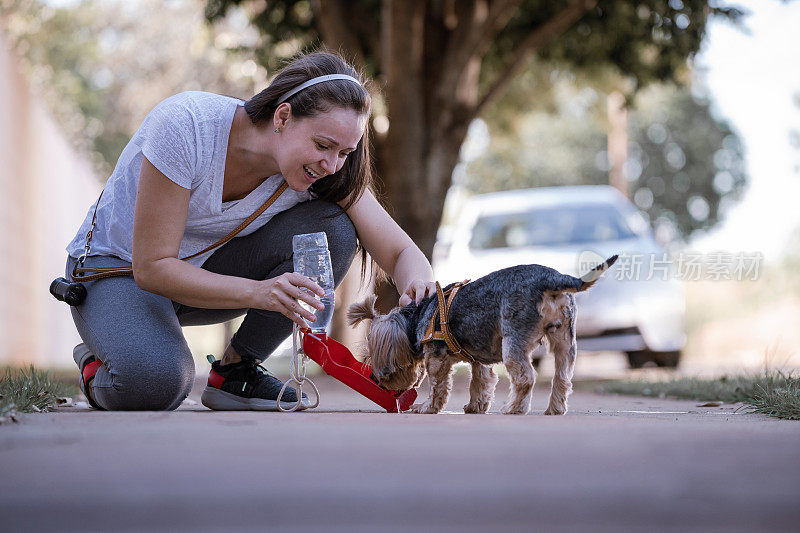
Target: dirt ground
(611, 464)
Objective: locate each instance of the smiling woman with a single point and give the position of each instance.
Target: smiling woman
(194, 173)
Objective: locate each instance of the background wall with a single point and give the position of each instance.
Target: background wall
(44, 190)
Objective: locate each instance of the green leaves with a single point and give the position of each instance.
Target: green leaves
(685, 167)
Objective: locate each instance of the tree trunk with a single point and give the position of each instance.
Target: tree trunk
(347, 293)
(431, 75)
(415, 161)
(617, 141)
(427, 126)
(401, 152)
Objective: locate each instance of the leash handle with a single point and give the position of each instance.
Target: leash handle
(297, 370)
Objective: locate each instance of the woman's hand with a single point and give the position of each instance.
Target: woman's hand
(283, 294)
(416, 291)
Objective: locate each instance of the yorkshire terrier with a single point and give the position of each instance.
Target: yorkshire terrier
(502, 316)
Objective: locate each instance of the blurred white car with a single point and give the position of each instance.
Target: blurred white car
(638, 306)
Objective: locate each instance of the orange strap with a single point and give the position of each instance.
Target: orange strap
(110, 272)
(445, 301)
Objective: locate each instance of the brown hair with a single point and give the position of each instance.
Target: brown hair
(355, 176)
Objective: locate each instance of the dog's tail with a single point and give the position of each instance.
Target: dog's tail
(573, 284)
(594, 274)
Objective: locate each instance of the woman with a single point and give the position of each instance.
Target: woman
(198, 166)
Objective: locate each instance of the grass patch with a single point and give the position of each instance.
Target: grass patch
(773, 393)
(778, 401)
(30, 390)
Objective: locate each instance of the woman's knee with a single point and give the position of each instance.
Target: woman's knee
(158, 381)
(342, 243)
(321, 215)
(341, 234)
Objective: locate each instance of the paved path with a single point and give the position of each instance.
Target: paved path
(611, 464)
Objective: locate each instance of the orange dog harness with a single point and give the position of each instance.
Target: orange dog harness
(445, 301)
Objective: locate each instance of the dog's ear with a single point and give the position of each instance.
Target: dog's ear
(390, 348)
(361, 311)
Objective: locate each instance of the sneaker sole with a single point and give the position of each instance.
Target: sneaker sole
(219, 400)
(80, 354)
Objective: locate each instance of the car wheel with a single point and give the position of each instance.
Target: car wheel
(667, 359)
(638, 358)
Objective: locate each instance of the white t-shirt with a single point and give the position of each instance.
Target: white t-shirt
(186, 138)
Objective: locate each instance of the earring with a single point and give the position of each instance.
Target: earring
(277, 130)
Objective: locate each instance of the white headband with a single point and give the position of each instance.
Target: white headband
(314, 81)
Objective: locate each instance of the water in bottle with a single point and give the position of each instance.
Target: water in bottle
(312, 259)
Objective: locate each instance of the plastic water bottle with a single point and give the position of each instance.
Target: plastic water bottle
(312, 260)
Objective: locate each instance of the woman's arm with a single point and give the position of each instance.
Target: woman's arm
(392, 249)
(159, 223)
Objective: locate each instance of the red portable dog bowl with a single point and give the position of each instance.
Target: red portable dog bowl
(337, 361)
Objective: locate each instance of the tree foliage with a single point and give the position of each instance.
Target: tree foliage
(438, 65)
(100, 69)
(442, 64)
(647, 40)
(685, 167)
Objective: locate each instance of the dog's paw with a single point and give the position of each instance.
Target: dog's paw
(476, 408)
(424, 409)
(555, 410)
(511, 409)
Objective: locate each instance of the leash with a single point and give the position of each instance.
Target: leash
(297, 371)
(444, 303)
(81, 273)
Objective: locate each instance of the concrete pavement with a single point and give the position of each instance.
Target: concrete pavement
(611, 464)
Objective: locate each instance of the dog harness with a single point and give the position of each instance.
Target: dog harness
(445, 301)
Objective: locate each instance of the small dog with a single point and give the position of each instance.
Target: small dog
(502, 316)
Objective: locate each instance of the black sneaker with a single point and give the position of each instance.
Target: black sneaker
(246, 386)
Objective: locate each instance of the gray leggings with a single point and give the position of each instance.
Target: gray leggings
(147, 364)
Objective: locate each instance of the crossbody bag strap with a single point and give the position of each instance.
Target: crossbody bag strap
(95, 273)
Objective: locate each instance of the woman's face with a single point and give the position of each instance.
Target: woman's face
(310, 148)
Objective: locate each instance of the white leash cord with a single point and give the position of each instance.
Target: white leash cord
(297, 371)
